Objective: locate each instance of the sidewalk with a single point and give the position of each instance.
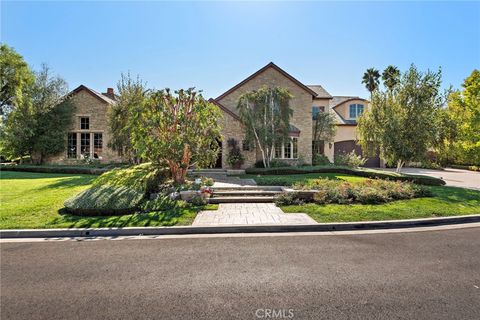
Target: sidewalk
(229, 214)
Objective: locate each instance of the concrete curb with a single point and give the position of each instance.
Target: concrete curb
(320, 227)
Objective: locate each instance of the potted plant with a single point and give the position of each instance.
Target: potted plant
(234, 158)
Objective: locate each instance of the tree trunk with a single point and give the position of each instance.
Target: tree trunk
(400, 164)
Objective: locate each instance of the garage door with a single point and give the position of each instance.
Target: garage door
(343, 147)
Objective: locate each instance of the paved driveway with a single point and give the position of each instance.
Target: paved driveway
(453, 177)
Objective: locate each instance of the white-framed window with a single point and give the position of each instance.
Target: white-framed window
(316, 110)
(287, 150)
(356, 110)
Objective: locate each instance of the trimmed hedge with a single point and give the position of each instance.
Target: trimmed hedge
(54, 169)
(367, 173)
(463, 167)
(105, 200)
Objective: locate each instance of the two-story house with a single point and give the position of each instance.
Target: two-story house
(307, 102)
(89, 134)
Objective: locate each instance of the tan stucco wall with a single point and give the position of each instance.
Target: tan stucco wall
(343, 109)
(344, 133)
(301, 104)
(86, 105)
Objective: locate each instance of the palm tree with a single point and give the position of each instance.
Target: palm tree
(391, 77)
(370, 80)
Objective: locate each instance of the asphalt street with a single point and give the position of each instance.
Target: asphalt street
(417, 275)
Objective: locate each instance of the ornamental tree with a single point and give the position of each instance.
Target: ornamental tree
(177, 129)
(402, 123)
(265, 114)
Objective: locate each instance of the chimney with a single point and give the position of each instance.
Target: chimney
(110, 93)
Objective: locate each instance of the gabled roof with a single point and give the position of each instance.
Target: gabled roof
(94, 93)
(320, 91)
(270, 65)
(222, 107)
(337, 100)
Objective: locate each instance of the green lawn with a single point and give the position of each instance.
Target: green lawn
(35, 200)
(446, 201)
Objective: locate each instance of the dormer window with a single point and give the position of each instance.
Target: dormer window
(316, 110)
(356, 110)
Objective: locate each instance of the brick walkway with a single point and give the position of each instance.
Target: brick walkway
(249, 214)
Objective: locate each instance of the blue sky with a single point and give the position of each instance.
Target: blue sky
(214, 45)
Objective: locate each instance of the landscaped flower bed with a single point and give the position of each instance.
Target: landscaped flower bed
(369, 191)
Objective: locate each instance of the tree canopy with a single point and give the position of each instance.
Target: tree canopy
(38, 124)
(401, 124)
(371, 79)
(15, 78)
(265, 114)
(131, 93)
(177, 129)
(463, 114)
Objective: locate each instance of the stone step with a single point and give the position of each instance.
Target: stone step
(249, 199)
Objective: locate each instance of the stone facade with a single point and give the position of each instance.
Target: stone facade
(301, 104)
(88, 105)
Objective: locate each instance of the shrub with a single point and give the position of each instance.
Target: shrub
(464, 167)
(328, 191)
(162, 203)
(234, 158)
(275, 163)
(290, 198)
(349, 159)
(366, 192)
(320, 160)
(145, 178)
(105, 200)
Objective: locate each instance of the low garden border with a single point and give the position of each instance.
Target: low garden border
(367, 173)
(55, 169)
